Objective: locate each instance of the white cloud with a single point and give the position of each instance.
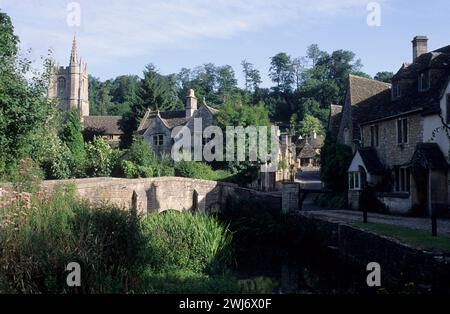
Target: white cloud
(116, 29)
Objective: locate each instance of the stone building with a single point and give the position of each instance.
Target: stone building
(308, 150)
(70, 85)
(400, 134)
(157, 127)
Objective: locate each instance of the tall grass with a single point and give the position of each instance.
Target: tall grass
(186, 241)
(117, 252)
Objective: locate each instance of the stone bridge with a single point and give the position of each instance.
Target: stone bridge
(160, 194)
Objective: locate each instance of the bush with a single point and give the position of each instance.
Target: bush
(335, 160)
(101, 158)
(186, 241)
(195, 170)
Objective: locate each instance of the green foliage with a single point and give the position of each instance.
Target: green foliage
(186, 241)
(101, 159)
(141, 154)
(335, 160)
(195, 170)
(26, 177)
(23, 106)
(282, 72)
(309, 125)
(38, 243)
(384, 77)
(72, 136)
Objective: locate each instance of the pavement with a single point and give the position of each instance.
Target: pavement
(347, 216)
(310, 179)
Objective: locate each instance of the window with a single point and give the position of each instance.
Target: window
(61, 85)
(448, 109)
(374, 136)
(424, 82)
(402, 130)
(396, 90)
(158, 140)
(354, 179)
(402, 180)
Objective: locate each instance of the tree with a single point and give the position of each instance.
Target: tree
(252, 77)
(335, 160)
(299, 66)
(226, 81)
(281, 71)
(310, 125)
(72, 136)
(24, 108)
(384, 77)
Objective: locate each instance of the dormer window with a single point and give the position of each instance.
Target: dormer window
(424, 81)
(396, 90)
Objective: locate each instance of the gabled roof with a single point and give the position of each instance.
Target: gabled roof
(437, 65)
(371, 161)
(170, 118)
(307, 151)
(365, 95)
(429, 156)
(106, 125)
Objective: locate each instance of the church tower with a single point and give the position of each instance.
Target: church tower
(70, 84)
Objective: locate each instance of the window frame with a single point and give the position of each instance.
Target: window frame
(402, 179)
(402, 131)
(354, 181)
(424, 76)
(375, 135)
(158, 140)
(396, 90)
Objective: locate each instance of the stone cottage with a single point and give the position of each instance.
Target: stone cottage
(156, 127)
(400, 134)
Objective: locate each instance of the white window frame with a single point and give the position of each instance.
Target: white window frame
(396, 90)
(354, 181)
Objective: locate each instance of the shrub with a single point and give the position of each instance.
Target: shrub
(195, 170)
(186, 241)
(101, 159)
(141, 154)
(335, 160)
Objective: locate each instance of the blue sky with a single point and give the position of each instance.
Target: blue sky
(120, 37)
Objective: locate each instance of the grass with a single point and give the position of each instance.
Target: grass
(417, 238)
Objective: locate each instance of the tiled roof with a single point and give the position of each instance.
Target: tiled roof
(307, 151)
(371, 160)
(365, 96)
(335, 119)
(430, 156)
(107, 125)
(170, 118)
(437, 64)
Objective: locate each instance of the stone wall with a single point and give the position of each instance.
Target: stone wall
(399, 263)
(160, 194)
(389, 151)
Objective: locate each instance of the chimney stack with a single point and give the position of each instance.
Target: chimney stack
(191, 103)
(420, 46)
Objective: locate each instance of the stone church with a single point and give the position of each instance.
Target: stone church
(70, 85)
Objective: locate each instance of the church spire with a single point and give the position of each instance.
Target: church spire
(74, 53)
